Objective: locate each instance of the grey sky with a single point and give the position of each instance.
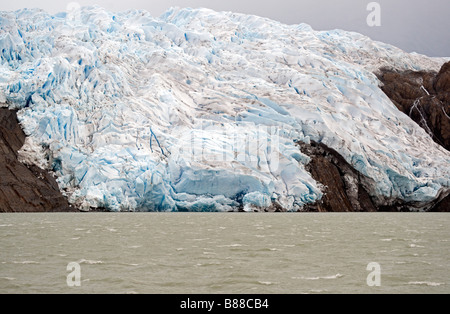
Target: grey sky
(413, 25)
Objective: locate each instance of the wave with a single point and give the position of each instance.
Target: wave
(426, 283)
(90, 262)
(267, 283)
(231, 245)
(135, 246)
(320, 277)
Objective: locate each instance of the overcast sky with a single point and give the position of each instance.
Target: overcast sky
(413, 25)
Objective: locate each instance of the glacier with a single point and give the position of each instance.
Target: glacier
(198, 110)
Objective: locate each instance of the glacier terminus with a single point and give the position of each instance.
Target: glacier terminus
(198, 110)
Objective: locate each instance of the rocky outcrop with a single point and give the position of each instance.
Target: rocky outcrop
(22, 188)
(442, 206)
(424, 96)
(344, 191)
(347, 190)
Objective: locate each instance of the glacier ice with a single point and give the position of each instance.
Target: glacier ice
(200, 110)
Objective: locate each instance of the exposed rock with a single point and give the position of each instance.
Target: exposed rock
(443, 206)
(347, 190)
(424, 96)
(22, 188)
(344, 191)
(442, 80)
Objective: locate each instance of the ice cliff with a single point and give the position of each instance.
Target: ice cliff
(200, 110)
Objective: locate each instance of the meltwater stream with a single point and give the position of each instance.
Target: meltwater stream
(224, 252)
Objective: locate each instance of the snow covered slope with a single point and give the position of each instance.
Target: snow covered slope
(199, 110)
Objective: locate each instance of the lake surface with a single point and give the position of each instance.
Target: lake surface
(225, 252)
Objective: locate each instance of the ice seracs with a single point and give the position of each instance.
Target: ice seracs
(200, 110)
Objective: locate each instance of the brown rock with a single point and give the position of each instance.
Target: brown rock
(22, 188)
(443, 206)
(442, 80)
(423, 96)
(347, 190)
(343, 189)
(335, 199)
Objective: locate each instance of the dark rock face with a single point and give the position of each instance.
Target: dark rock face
(347, 190)
(442, 206)
(22, 188)
(344, 189)
(442, 82)
(424, 96)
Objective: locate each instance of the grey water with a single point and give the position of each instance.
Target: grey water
(237, 253)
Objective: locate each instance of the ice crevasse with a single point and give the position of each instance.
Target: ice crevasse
(199, 110)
